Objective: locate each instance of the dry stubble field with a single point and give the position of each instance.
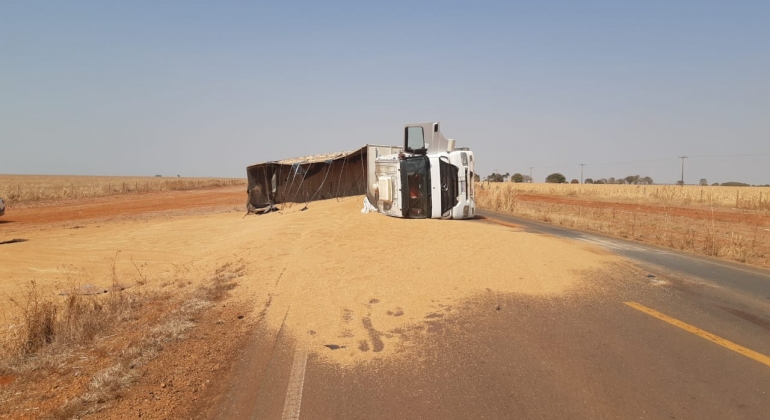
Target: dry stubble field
(724, 222)
(36, 188)
(184, 280)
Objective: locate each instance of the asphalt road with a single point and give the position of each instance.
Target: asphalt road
(674, 336)
(753, 282)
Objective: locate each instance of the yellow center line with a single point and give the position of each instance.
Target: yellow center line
(759, 357)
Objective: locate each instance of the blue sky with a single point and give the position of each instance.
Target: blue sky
(206, 88)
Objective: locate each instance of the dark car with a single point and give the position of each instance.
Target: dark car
(2, 207)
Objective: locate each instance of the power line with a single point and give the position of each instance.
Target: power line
(572, 165)
(629, 162)
(738, 155)
(662, 159)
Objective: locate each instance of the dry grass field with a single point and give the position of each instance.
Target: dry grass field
(30, 188)
(723, 222)
(745, 198)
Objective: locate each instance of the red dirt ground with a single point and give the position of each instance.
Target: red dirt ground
(123, 205)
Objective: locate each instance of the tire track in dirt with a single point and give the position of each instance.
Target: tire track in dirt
(260, 375)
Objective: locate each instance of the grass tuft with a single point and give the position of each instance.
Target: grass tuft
(50, 331)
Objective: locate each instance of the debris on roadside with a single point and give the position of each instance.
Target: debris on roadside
(334, 346)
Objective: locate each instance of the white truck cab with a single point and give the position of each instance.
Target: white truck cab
(429, 179)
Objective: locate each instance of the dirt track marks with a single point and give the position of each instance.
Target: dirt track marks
(374, 335)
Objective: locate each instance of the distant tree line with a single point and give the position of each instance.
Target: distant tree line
(631, 180)
(517, 177)
(495, 177)
(739, 184)
(557, 178)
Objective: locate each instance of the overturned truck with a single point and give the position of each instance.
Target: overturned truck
(430, 178)
(426, 178)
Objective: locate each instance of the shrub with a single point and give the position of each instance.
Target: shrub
(556, 178)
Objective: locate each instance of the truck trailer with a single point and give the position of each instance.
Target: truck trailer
(430, 178)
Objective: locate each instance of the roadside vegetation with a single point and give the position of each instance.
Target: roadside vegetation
(732, 223)
(720, 197)
(32, 188)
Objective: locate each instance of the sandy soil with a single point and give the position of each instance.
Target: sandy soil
(328, 276)
(75, 242)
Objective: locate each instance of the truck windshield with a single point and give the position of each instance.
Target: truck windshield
(415, 176)
(448, 173)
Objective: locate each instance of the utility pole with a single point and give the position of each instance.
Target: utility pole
(530, 174)
(683, 158)
(581, 172)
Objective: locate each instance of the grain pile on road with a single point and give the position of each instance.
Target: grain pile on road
(336, 277)
(343, 285)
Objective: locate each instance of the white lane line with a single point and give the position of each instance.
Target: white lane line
(619, 246)
(293, 400)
